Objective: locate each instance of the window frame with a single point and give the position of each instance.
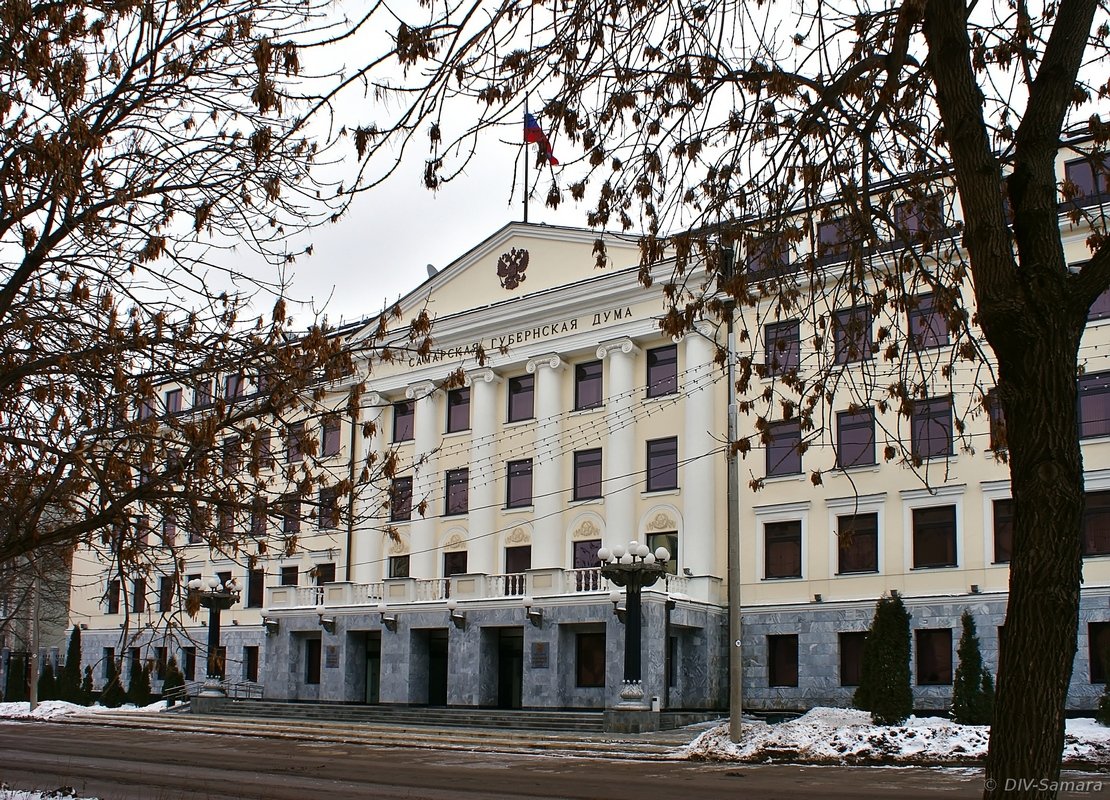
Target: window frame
(1096, 193)
(1091, 388)
(851, 658)
(1097, 668)
(456, 495)
(521, 392)
(869, 535)
(662, 371)
(662, 464)
(782, 654)
(931, 642)
(589, 656)
(783, 535)
(921, 527)
(404, 420)
(589, 375)
(255, 595)
(399, 566)
(458, 410)
(931, 329)
(849, 421)
(331, 436)
(587, 484)
(173, 401)
(1002, 528)
(524, 472)
(327, 510)
(926, 416)
(669, 540)
(290, 575)
(849, 334)
(400, 499)
(1091, 514)
(782, 455)
(294, 442)
(782, 360)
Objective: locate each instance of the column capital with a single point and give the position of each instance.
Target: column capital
(551, 361)
(481, 375)
(421, 390)
(375, 400)
(624, 345)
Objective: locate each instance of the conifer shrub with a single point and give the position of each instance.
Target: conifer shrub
(174, 680)
(973, 686)
(48, 686)
(69, 679)
(138, 688)
(113, 695)
(16, 690)
(85, 696)
(884, 687)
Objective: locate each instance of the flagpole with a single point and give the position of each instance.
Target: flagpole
(526, 166)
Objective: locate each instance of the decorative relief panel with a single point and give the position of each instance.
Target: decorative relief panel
(518, 536)
(587, 530)
(455, 543)
(662, 522)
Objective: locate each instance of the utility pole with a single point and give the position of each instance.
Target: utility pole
(735, 663)
(33, 661)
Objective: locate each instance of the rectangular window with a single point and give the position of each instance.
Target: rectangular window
(587, 474)
(931, 428)
(852, 334)
(290, 576)
(232, 455)
(522, 395)
(173, 401)
(400, 505)
(294, 442)
(1098, 650)
(233, 387)
(1089, 179)
(107, 658)
(458, 410)
(250, 663)
(917, 219)
(458, 491)
(261, 451)
(167, 589)
(225, 522)
(189, 663)
(1094, 405)
(259, 517)
(782, 660)
(325, 573)
(855, 438)
(404, 416)
(928, 327)
(662, 371)
(1100, 308)
(857, 543)
(669, 540)
(161, 660)
(454, 563)
(312, 653)
(169, 531)
(398, 566)
(587, 385)
(290, 514)
(851, 657)
(589, 660)
(784, 450)
(782, 347)
(1003, 530)
(202, 394)
(934, 537)
(518, 559)
(996, 419)
(330, 436)
(585, 558)
(835, 238)
(1096, 524)
(767, 255)
(138, 595)
(329, 508)
(934, 656)
(256, 588)
(519, 492)
(112, 597)
(146, 408)
(662, 464)
(782, 549)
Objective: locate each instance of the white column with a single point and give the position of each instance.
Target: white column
(424, 557)
(484, 470)
(547, 464)
(698, 478)
(622, 482)
(368, 563)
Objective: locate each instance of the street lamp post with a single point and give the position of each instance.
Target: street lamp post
(216, 597)
(633, 568)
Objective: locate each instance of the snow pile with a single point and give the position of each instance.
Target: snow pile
(847, 736)
(57, 794)
(49, 709)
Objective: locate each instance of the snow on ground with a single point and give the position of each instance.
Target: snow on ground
(57, 794)
(49, 709)
(847, 736)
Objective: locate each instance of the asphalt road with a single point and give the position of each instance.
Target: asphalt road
(127, 764)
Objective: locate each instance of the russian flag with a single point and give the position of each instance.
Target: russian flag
(534, 133)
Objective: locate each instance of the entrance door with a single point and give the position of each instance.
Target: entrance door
(510, 667)
(437, 667)
(373, 667)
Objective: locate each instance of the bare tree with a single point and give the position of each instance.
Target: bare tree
(843, 128)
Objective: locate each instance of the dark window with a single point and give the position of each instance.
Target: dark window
(113, 596)
(330, 436)
(458, 491)
(1003, 530)
(458, 410)
(400, 508)
(161, 661)
(585, 558)
(782, 660)
(857, 543)
(852, 334)
(1089, 178)
(404, 415)
(917, 220)
(138, 595)
(291, 514)
(232, 455)
(782, 347)
(167, 589)
(934, 656)
(1100, 308)
(782, 546)
(454, 563)
(522, 395)
(256, 586)
(261, 451)
(312, 652)
(931, 428)
(173, 401)
(108, 658)
(1096, 524)
(587, 385)
(259, 517)
(519, 492)
(669, 540)
(1098, 650)
(325, 573)
(784, 450)
(329, 508)
(1094, 405)
(290, 576)
(934, 537)
(835, 238)
(662, 464)
(855, 438)
(233, 386)
(927, 325)
(587, 474)
(189, 663)
(851, 657)
(767, 255)
(589, 660)
(250, 663)
(997, 421)
(146, 408)
(662, 371)
(169, 531)
(225, 522)
(224, 578)
(202, 394)
(518, 559)
(294, 442)
(398, 566)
